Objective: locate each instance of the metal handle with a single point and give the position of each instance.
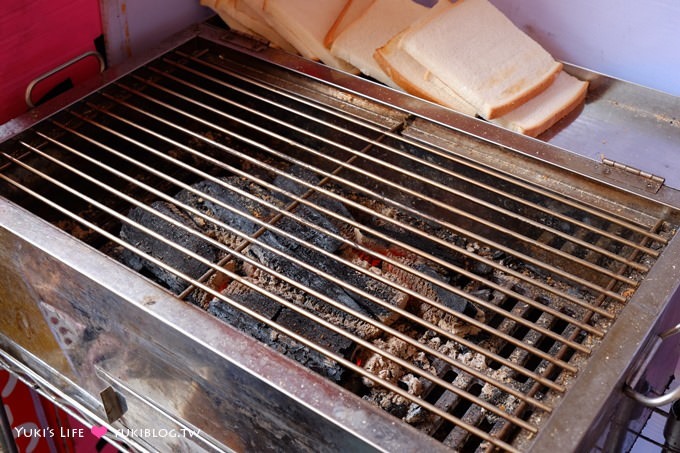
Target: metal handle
(661, 400)
(37, 80)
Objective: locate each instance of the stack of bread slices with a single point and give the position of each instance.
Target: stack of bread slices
(463, 54)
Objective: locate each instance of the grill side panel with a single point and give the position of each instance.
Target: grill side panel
(130, 335)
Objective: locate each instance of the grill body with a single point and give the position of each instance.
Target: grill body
(79, 322)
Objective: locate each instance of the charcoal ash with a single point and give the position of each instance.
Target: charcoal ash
(386, 369)
(446, 297)
(158, 249)
(330, 289)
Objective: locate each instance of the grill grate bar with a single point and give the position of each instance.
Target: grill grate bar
(566, 296)
(376, 233)
(282, 301)
(550, 368)
(546, 247)
(412, 293)
(425, 163)
(394, 388)
(448, 156)
(340, 282)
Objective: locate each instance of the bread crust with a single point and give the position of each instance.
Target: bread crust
(577, 101)
(565, 95)
(403, 82)
(526, 95)
(398, 78)
(516, 89)
(335, 30)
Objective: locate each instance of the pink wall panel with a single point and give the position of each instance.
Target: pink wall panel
(38, 35)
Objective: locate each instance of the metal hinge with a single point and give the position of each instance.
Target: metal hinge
(114, 404)
(631, 176)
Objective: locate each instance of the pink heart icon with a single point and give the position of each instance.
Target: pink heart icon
(98, 431)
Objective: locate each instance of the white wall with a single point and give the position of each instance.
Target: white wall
(634, 40)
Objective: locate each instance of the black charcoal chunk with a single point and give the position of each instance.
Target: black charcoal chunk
(230, 198)
(169, 255)
(282, 343)
(323, 285)
(254, 208)
(446, 297)
(320, 335)
(305, 277)
(243, 321)
(296, 188)
(304, 232)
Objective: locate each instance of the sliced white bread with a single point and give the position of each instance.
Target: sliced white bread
(305, 26)
(243, 13)
(480, 54)
(536, 116)
(380, 22)
(219, 6)
(351, 12)
(413, 78)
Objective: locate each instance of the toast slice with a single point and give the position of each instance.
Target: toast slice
(413, 78)
(247, 19)
(228, 18)
(540, 113)
(351, 12)
(380, 22)
(480, 54)
(305, 26)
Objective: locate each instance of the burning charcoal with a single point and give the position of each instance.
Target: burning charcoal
(162, 251)
(397, 233)
(446, 297)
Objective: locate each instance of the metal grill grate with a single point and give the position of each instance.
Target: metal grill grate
(460, 298)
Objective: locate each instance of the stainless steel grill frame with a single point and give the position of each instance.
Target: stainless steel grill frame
(210, 353)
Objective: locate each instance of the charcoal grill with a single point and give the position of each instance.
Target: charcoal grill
(527, 285)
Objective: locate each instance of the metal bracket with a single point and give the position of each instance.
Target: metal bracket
(114, 404)
(631, 176)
